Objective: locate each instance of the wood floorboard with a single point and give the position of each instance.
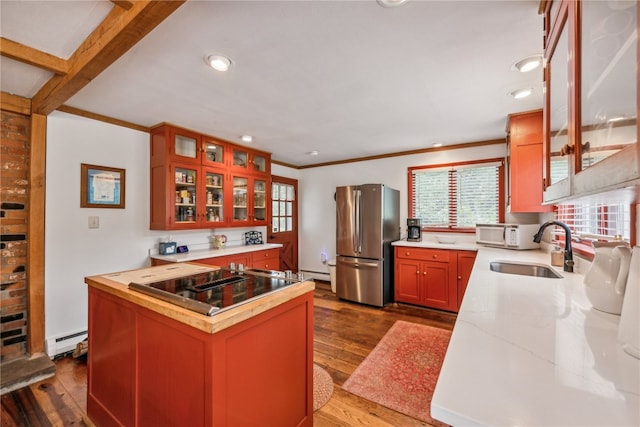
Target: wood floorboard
(344, 334)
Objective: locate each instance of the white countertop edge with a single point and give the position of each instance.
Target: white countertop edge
(212, 253)
(432, 244)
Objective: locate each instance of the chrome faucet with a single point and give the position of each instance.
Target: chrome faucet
(568, 253)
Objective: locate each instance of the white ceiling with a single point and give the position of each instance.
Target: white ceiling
(346, 78)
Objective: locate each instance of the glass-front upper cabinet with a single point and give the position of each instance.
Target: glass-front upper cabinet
(240, 199)
(185, 195)
(557, 93)
(250, 161)
(185, 145)
(214, 197)
(213, 152)
(240, 158)
(259, 200)
(259, 163)
(609, 46)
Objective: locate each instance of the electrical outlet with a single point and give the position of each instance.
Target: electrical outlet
(94, 222)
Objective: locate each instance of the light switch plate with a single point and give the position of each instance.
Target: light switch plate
(94, 222)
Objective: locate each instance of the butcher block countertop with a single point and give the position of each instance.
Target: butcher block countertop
(117, 284)
(529, 351)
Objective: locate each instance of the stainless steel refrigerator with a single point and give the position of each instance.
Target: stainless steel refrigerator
(367, 221)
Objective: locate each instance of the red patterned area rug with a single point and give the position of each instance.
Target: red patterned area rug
(401, 371)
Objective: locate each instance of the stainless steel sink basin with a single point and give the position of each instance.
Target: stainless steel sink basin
(524, 269)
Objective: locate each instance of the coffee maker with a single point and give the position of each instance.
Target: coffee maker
(414, 233)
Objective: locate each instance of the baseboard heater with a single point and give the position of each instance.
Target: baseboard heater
(64, 344)
(316, 275)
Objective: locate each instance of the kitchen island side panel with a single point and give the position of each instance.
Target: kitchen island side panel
(170, 373)
(110, 360)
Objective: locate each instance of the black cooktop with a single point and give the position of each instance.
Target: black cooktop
(211, 292)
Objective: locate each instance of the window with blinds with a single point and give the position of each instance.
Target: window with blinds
(597, 221)
(457, 196)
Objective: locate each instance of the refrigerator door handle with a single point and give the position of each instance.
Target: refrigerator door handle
(357, 241)
(356, 263)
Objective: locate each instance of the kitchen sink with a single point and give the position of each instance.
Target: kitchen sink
(524, 269)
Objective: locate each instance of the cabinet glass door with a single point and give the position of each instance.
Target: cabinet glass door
(213, 152)
(240, 158)
(240, 199)
(185, 195)
(259, 200)
(259, 163)
(185, 146)
(559, 109)
(214, 197)
(609, 43)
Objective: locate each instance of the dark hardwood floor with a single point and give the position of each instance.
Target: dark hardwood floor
(344, 335)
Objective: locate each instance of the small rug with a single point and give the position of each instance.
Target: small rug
(401, 371)
(322, 387)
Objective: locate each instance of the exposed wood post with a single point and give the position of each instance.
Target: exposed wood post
(35, 234)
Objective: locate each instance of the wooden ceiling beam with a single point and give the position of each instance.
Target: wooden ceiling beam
(15, 103)
(123, 4)
(31, 56)
(117, 33)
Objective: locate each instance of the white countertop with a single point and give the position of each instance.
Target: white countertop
(529, 351)
(212, 253)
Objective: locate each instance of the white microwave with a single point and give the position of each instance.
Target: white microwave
(509, 236)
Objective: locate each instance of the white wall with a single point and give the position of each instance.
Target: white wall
(317, 215)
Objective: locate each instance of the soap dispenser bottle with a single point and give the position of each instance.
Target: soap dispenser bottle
(557, 255)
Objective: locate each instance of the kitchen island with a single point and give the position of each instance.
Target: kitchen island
(528, 351)
(154, 363)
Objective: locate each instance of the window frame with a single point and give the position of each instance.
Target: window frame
(585, 247)
(478, 163)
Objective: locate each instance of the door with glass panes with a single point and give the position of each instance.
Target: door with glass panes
(284, 220)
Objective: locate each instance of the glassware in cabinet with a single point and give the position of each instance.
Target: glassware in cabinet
(185, 195)
(259, 200)
(240, 199)
(214, 197)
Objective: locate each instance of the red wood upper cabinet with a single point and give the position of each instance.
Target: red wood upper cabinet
(247, 161)
(193, 187)
(213, 152)
(525, 172)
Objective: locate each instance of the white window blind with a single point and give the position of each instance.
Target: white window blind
(597, 221)
(457, 196)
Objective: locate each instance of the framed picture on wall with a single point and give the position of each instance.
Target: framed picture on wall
(101, 187)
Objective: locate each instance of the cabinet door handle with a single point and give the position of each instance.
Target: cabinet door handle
(424, 273)
(435, 256)
(459, 277)
(407, 254)
(418, 272)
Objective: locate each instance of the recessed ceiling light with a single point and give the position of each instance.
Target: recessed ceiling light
(218, 62)
(246, 138)
(527, 64)
(313, 153)
(391, 3)
(521, 93)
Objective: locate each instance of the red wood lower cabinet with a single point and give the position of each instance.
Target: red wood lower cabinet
(145, 369)
(435, 278)
(466, 259)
